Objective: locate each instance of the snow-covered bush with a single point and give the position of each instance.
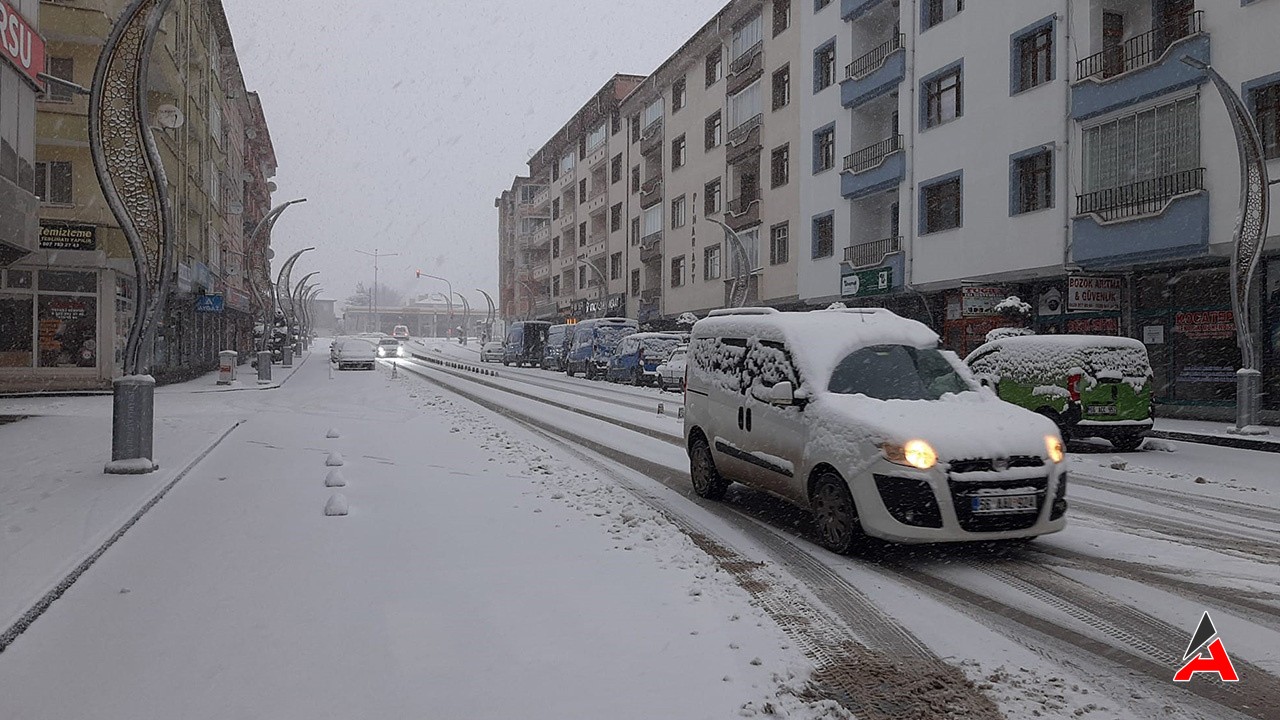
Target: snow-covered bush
(1013, 308)
(837, 306)
(687, 318)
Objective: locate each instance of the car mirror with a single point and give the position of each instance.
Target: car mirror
(782, 394)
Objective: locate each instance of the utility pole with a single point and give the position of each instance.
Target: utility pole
(373, 294)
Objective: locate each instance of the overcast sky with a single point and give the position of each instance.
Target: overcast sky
(402, 120)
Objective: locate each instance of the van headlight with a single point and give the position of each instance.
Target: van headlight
(1053, 446)
(913, 453)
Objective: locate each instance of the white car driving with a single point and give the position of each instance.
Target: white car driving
(491, 352)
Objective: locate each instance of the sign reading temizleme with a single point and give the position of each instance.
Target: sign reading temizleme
(68, 237)
(876, 281)
(20, 44)
(1093, 294)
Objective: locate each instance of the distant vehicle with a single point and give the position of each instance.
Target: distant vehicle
(558, 337)
(491, 352)
(859, 416)
(637, 357)
(1089, 385)
(400, 332)
(334, 346)
(671, 372)
(593, 344)
(356, 353)
(525, 343)
(389, 348)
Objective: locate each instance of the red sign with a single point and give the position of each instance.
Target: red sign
(1205, 325)
(20, 44)
(1094, 326)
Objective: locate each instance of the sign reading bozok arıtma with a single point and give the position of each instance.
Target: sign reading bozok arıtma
(1093, 294)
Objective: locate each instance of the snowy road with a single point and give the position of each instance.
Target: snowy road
(1156, 537)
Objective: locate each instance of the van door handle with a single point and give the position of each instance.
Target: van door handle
(748, 419)
(740, 418)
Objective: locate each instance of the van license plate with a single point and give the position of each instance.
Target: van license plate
(991, 504)
(1100, 410)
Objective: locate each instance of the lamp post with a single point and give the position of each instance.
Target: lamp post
(293, 319)
(284, 300)
(466, 315)
(373, 296)
(493, 310)
(260, 269)
(1246, 251)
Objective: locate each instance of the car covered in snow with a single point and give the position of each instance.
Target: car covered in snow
(593, 344)
(491, 352)
(671, 371)
(858, 415)
(1089, 385)
(558, 337)
(356, 354)
(637, 357)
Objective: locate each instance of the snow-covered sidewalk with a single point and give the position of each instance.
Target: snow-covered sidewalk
(474, 576)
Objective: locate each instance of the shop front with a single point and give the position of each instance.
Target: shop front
(1184, 317)
(53, 327)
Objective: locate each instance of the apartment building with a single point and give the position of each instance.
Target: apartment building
(78, 285)
(23, 60)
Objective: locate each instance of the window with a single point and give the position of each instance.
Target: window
(582, 190)
(555, 246)
(677, 153)
(824, 148)
(819, 4)
(1157, 142)
(712, 197)
(678, 212)
(635, 231)
(63, 68)
(53, 182)
(779, 238)
(582, 277)
(582, 234)
(1032, 179)
(782, 87)
(824, 236)
(555, 285)
(941, 202)
(781, 16)
(944, 97)
(615, 218)
(635, 283)
(569, 237)
(1266, 113)
(615, 122)
(651, 221)
(652, 113)
(746, 37)
(715, 67)
(933, 12)
(615, 266)
(824, 66)
(677, 271)
(597, 137)
(780, 165)
(566, 164)
(714, 131)
(615, 169)
(679, 96)
(555, 208)
(744, 106)
(1033, 58)
(635, 179)
(635, 128)
(711, 263)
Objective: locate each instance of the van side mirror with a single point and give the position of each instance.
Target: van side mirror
(782, 394)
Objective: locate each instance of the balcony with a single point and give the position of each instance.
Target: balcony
(565, 262)
(876, 73)
(566, 179)
(542, 198)
(597, 199)
(746, 69)
(743, 212)
(598, 245)
(541, 271)
(873, 169)
(541, 236)
(651, 191)
(1142, 67)
(598, 155)
(743, 141)
(1181, 230)
(871, 254)
(567, 219)
(651, 247)
(651, 138)
(851, 10)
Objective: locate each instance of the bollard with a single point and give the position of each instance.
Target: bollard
(264, 366)
(287, 356)
(662, 409)
(227, 367)
(132, 426)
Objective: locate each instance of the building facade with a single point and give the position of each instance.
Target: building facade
(78, 282)
(22, 52)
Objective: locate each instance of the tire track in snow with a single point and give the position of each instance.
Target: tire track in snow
(1256, 548)
(1186, 501)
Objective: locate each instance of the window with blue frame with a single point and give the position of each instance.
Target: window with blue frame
(824, 236)
(943, 94)
(941, 204)
(824, 66)
(824, 148)
(933, 12)
(1031, 181)
(1031, 61)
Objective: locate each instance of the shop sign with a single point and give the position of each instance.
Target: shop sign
(1153, 335)
(1093, 294)
(68, 237)
(184, 278)
(209, 304)
(20, 44)
(1207, 374)
(237, 299)
(981, 300)
(865, 283)
(1205, 325)
(1050, 303)
(1094, 326)
(953, 308)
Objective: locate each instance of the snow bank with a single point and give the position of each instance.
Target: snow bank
(332, 434)
(1013, 304)
(335, 479)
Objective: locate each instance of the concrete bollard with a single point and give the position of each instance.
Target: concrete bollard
(287, 356)
(264, 366)
(132, 426)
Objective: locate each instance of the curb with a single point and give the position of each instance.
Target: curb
(1239, 443)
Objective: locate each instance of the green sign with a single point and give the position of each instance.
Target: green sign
(864, 283)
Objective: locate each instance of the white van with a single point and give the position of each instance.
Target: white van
(857, 415)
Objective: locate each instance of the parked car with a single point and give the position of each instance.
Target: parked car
(389, 348)
(400, 332)
(334, 347)
(593, 344)
(356, 353)
(1089, 385)
(525, 343)
(858, 415)
(491, 352)
(558, 337)
(637, 357)
(671, 371)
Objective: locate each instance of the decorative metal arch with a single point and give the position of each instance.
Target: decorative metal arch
(260, 286)
(130, 169)
(741, 279)
(294, 317)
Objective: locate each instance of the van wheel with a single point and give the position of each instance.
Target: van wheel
(835, 514)
(637, 379)
(589, 373)
(1127, 443)
(707, 482)
(568, 370)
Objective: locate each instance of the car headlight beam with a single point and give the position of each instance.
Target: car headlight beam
(1053, 446)
(913, 453)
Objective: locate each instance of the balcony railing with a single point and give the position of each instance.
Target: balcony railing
(873, 60)
(744, 60)
(872, 253)
(872, 156)
(1141, 198)
(1140, 50)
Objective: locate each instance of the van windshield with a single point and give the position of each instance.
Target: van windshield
(896, 372)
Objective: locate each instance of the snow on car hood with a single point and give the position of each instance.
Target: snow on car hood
(968, 425)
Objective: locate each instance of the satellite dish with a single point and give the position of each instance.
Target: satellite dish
(271, 187)
(169, 116)
(271, 254)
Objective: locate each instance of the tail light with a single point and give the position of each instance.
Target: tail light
(1073, 387)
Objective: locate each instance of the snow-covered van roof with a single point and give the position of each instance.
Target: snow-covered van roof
(818, 339)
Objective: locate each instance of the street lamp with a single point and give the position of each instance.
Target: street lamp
(373, 295)
(260, 270)
(493, 310)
